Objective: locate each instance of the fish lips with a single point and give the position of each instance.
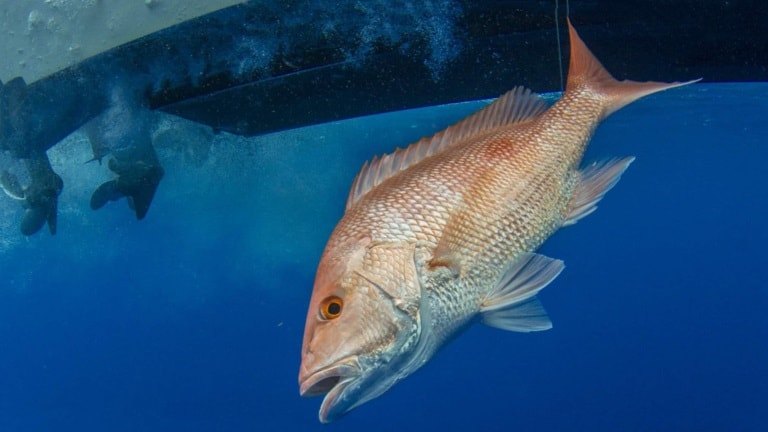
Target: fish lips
(333, 382)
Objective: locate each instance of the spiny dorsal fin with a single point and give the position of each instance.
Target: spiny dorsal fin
(516, 106)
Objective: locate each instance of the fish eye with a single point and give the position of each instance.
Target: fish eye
(331, 307)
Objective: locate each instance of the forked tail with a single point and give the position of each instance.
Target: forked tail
(586, 71)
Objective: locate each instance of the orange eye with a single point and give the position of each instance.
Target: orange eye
(331, 307)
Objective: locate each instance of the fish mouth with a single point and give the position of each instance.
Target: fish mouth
(333, 383)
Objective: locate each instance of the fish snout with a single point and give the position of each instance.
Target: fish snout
(319, 382)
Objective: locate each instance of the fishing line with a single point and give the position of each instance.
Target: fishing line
(557, 32)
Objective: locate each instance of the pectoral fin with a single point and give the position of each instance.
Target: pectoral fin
(513, 305)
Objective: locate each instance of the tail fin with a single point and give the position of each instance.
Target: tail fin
(585, 70)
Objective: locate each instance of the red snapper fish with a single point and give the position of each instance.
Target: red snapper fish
(445, 231)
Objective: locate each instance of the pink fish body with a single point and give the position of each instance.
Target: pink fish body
(446, 230)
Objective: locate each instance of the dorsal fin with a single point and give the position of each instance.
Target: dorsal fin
(516, 106)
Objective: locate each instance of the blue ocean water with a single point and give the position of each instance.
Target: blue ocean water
(191, 320)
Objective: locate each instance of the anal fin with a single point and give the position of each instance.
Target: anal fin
(512, 305)
(595, 181)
